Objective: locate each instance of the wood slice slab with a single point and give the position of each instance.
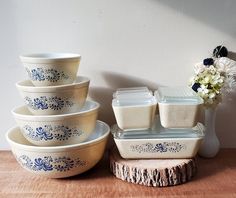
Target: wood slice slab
(152, 172)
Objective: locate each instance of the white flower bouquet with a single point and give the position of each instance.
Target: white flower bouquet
(214, 76)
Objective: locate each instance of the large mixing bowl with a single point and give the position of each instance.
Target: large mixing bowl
(59, 161)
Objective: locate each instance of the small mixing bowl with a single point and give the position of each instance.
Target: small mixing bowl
(59, 161)
(54, 100)
(51, 69)
(54, 130)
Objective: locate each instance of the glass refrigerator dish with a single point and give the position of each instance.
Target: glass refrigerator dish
(179, 107)
(134, 108)
(159, 142)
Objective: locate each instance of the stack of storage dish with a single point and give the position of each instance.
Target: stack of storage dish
(175, 133)
(58, 130)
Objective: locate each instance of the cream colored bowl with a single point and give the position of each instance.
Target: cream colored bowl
(54, 130)
(54, 100)
(51, 69)
(59, 161)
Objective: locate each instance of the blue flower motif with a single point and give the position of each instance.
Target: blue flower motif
(52, 75)
(37, 74)
(172, 147)
(41, 103)
(65, 135)
(29, 132)
(160, 147)
(56, 103)
(63, 164)
(25, 161)
(41, 74)
(43, 134)
(44, 102)
(43, 164)
(28, 101)
(49, 132)
(48, 163)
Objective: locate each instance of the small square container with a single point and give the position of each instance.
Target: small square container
(159, 142)
(134, 108)
(179, 107)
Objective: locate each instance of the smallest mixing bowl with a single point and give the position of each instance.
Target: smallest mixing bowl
(54, 130)
(54, 100)
(51, 69)
(59, 161)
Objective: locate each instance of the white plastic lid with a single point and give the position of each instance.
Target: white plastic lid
(173, 95)
(133, 96)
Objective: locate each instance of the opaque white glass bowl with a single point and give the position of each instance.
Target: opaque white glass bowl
(59, 161)
(54, 100)
(51, 69)
(54, 130)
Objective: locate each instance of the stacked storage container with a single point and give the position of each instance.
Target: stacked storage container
(174, 133)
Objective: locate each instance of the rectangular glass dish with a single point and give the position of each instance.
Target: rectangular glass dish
(158, 142)
(134, 108)
(179, 107)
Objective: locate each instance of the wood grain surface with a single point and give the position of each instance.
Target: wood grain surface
(215, 178)
(152, 172)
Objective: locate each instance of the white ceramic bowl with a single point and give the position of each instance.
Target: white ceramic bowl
(54, 100)
(59, 161)
(57, 129)
(50, 69)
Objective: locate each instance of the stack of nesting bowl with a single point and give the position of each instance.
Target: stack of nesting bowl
(58, 134)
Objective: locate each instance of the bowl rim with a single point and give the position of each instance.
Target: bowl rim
(38, 118)
(55, 149)
(81, 81)
(49, 57)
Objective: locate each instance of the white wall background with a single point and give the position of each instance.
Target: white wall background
(122, 43)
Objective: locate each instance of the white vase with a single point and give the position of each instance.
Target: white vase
(210, 145)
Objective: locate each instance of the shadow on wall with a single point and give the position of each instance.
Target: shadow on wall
(232, 55)
(226, 114)
(104, 95)
(216, 13)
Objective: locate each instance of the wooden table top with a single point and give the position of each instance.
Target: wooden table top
(215, 178)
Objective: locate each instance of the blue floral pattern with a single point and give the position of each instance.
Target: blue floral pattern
(49, 132)
(172, 147)
(43, 164)
(43, 102)
(43, 133)
(40, 74)
(47, 163)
